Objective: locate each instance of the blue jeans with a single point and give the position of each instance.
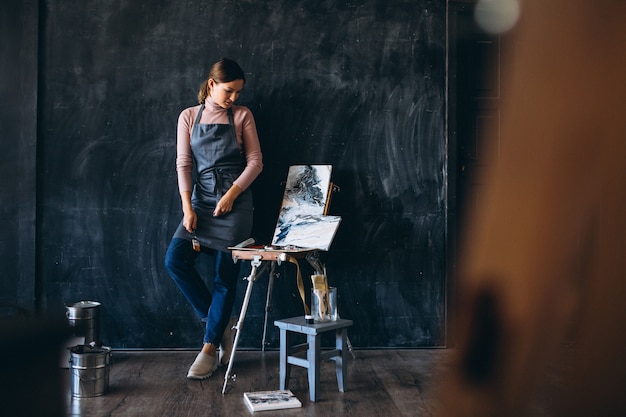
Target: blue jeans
(215, 309)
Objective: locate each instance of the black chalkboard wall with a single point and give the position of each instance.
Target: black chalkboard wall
(356, 84)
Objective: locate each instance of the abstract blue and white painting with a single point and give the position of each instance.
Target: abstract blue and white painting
(301, 221)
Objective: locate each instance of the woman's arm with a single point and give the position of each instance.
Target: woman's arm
(252, 147)
(184, 166)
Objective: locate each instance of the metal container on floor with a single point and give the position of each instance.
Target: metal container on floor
(89, 367)
(84, 319)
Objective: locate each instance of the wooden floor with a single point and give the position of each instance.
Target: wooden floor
(380, 383)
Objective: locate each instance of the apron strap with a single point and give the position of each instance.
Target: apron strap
(195, 124)
(231, 122)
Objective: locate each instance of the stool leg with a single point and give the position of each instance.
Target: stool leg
(341, 366)
(313, 356)
(284, 368)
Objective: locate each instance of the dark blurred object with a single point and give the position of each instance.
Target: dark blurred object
(542, 284)
(31, 382)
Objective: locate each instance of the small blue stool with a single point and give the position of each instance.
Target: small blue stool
(314, 354)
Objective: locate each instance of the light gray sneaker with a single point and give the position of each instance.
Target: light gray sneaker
(203, 367)
(228, 338)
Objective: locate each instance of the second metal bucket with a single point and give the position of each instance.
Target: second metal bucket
(84, 318)
(89, 367)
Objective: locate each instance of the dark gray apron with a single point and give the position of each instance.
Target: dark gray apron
(217, 163)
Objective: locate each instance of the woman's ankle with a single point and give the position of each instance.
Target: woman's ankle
(209, 349)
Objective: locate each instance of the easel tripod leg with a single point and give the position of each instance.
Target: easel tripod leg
(268, 303)
(244, 308)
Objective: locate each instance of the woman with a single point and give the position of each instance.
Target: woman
(217, 142)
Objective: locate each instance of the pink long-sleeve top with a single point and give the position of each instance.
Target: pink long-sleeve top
(247, 138)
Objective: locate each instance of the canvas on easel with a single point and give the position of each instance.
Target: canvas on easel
(302, 221)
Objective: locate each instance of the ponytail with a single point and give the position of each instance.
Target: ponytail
(204, 91)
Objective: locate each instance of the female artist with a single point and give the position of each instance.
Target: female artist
(217, 142)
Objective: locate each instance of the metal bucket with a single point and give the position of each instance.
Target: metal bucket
(89, 367)
(84, 319)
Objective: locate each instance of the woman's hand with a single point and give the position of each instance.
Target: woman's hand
(225, 205)
(190, 220)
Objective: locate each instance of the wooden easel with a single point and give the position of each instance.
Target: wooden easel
(264, 257)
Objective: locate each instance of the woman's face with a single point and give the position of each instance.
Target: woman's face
(225, 94)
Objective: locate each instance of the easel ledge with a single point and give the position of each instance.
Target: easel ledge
(267, 253)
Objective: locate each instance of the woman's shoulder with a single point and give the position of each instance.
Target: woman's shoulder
(242, 111)
(190, 111)
(189, 114)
